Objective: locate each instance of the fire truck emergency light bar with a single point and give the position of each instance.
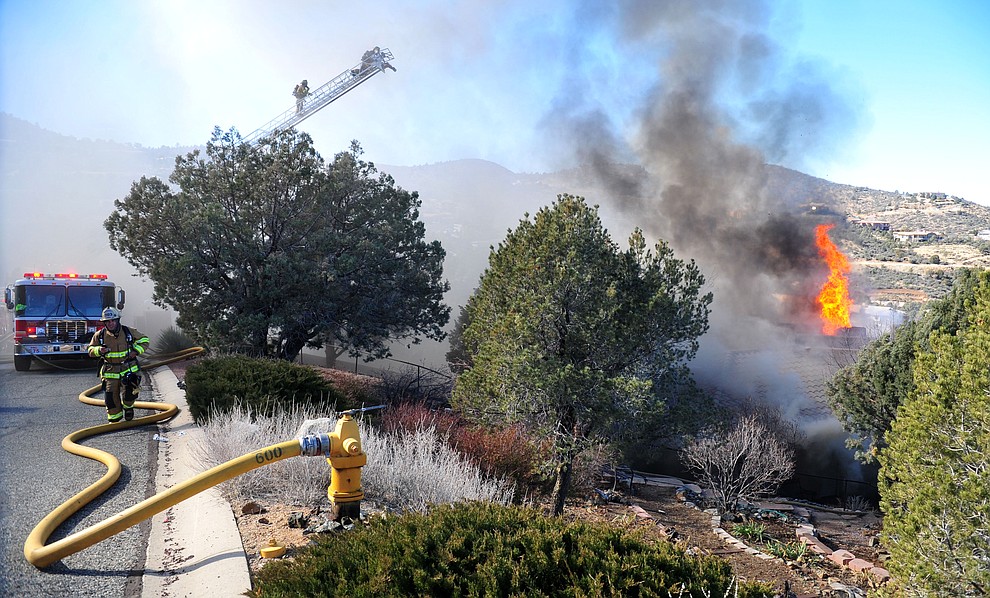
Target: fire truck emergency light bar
(65, 275)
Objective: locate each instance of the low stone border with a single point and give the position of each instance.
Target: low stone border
(735, 542)
(641, 513)
(807, 534)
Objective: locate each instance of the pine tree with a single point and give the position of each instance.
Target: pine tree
(935, 471)
(574, 337)
(865, 395)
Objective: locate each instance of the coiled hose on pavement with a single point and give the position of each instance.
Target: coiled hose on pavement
(41, 555)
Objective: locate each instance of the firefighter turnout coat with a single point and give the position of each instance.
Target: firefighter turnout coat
(116, 363)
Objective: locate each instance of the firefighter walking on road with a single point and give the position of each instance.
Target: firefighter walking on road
(118, 347)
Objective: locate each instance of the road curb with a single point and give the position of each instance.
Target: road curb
(194, 548)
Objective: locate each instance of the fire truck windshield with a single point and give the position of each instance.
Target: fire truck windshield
(40, 302)
(52, 301)
(88, 302)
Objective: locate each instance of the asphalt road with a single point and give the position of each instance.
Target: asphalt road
(38, 409)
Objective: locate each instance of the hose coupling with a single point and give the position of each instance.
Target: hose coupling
(315, 445)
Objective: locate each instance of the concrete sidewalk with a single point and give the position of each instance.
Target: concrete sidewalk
(194, 548)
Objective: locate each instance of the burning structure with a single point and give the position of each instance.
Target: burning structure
(791, 373)
(834, 296)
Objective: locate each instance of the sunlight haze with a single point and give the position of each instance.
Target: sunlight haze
(900, 89)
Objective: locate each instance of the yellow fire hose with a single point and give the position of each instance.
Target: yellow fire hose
(40, 555)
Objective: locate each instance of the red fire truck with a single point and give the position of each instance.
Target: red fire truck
(55, 315)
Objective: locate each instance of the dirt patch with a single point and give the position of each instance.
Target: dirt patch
(179, 367)
(664, 517)
(809, 575)
(258, 529)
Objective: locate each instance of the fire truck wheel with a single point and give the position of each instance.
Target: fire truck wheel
(22, 363)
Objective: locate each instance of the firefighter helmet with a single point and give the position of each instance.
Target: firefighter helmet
(110, 313)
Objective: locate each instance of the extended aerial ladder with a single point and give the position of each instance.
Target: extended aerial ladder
(373, 62)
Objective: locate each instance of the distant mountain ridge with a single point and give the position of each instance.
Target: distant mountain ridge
(57, 191)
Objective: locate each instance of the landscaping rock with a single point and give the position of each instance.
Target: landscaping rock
(252, 508)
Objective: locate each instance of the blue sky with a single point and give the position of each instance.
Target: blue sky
(887, 94)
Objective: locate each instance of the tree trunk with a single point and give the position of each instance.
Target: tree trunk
(334, 351)
(291, 348)
(562, 485)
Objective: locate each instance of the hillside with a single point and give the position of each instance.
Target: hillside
(55, 193)
(893, 260)
(468, 205)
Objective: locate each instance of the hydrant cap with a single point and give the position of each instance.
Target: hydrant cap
(273, 550)
(352, 446)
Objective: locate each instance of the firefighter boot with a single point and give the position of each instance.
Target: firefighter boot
(130, 394)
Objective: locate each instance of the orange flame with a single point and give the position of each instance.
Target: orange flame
(834, 296)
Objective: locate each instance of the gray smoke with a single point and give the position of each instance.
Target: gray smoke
(727, 101)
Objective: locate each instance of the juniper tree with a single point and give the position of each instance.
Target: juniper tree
(264, 249)
(575, 337)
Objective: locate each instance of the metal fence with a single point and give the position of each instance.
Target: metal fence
(378, 368)
(834, 490)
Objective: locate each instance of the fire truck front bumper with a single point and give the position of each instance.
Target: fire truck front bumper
(52, 349)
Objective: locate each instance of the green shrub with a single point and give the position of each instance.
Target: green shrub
(171, 340)
(263, 386)
(474, 549)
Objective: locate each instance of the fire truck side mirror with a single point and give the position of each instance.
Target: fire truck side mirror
(120, 298)
(8, 298)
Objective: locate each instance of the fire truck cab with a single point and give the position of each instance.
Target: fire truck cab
(56, 315)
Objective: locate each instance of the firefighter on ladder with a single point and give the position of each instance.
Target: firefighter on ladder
(300, 92)
(118, 346)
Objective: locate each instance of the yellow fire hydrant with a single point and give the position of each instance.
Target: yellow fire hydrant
(346, 460)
